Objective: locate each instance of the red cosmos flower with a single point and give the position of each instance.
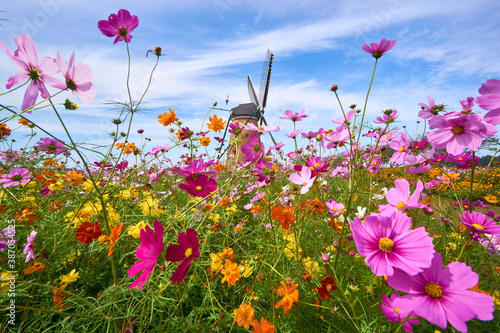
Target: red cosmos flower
(185, 251)
(120, 25)
(87, 232)
(199, 186)
(378, 49)
(327, 284)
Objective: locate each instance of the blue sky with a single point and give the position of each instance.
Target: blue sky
(445, 49)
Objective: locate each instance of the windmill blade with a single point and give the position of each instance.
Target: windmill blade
(251, 92)
(265, 78)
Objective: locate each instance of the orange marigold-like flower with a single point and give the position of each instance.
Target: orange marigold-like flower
(168, 118)
(216, 124)
(204, 141)
(231, 273)
(263, 327)
(244, 315)
(284, 215)
(290, 296)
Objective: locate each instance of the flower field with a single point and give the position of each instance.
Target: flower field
(362, 229)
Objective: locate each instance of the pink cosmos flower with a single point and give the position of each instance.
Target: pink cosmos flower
(149, 250)
(401, 148)
(387, 118)
(199, 185)
(7, 237)
(428, 111)
(120, 25)
(399, 198)
(479, 223)
(261, 129)
(30, 254)
(390, 308)
(78, 76)
(304, 179)
(490, 100)
(347, 119)
(15, 177)
(441, 295)
(185, 251)
(378, 49)
(388, 243)
(294, 116)
(293, 134)
(455, 133)
(38, 72)
(334, 207)
(158, 149)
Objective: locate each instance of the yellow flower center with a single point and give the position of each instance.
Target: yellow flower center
(434, 290)
(397, 311)
(400, 205)
(261, 128)
(188, 253)
(458, 130)
(199, 188)
(402, 148)
(385, 244)
(478, 226)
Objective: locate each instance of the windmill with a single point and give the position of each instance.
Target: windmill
(252, 112)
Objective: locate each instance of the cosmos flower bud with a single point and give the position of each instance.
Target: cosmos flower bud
(334, 88)
(69, 105)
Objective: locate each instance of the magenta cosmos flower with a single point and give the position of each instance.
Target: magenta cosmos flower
(119, 25)
(78, 76)
(388, 243)
(30, 254)
(15, 177)
(455, 133)
(378, 49)
(294, 116)
(51, 146)
(389, 307)
(334, 207)
(199, 186)
(148, 252)
(441, 295)
(479, 223)
(254, 149)
(38, 72)
(490, 100)
(399, 198)
(185, 251)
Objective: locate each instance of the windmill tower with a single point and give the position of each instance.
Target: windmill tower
(252, 112)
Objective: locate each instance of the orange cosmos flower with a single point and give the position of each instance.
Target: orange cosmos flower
(112, 238)
(204, 141)
(4, 131)
(244, 315)
(290, 296)
(58, 297)
(216, 124)
(36, 267)
(24, 122)
(231, 273)
(284, 215)
(74, 177)
(263, 327)
(168, 118)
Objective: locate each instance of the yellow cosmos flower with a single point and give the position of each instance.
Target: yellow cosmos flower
(135, 230)
(70, 277)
